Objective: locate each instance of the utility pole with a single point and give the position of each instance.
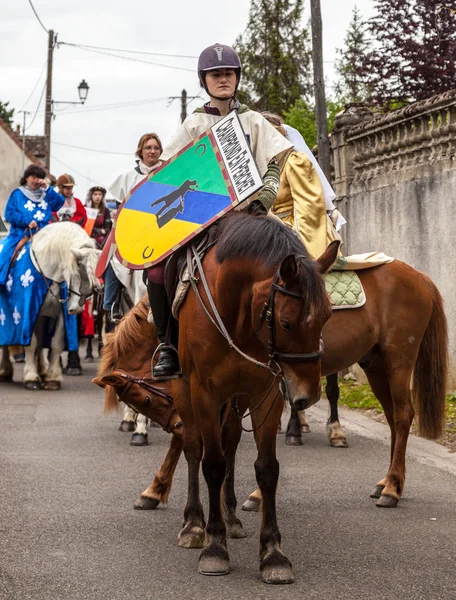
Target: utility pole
(184, 102)
(319, 87)
(48, 110)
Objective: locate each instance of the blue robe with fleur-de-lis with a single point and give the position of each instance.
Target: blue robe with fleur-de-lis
(19, 212)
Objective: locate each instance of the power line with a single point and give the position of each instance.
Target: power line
(36, 15)
(68, 167)
(34, 87)
(128, 51)
(92, 149)
(103, 107)
(138, 60)
(39, 104)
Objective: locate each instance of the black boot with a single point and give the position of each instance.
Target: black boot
(74, 364)
(168, 361)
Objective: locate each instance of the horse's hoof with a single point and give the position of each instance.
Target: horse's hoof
(338, 443)
(277, 574)
(235, 531)
(146, 504)
(251, 505)
(293, 440)
(139, 439)
(52, 385)
(89, 359)
(73, 371)
(305, 429)
(192, 538)
(387, 502)
(214, 560)
(127, 426)
(32, 385)
(377, 492)
(6, 378)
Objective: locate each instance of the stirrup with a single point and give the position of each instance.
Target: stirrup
(115, 315)
(176, 375)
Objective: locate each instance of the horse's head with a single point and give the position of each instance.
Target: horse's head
(142, 394)
(293, 310)
(83, 281)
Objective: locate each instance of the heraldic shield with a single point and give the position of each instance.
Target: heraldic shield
(198, 185)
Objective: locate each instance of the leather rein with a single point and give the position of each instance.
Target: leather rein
(146, 384)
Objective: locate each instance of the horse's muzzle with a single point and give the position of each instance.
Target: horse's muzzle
(303, 402)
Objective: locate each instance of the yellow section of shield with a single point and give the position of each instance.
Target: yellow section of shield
(140, 240)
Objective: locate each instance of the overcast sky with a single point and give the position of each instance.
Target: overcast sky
(170, 27)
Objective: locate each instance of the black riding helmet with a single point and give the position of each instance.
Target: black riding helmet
(217, 57)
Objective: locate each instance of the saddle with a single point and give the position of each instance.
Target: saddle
(21, 243)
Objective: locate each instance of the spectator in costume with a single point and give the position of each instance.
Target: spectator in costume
(103, 223)
(72, 209)
(28, 209)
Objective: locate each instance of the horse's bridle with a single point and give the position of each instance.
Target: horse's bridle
(145, 383)
(49, 285)
(268, 314)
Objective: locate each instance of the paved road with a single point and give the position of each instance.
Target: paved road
(68, 529)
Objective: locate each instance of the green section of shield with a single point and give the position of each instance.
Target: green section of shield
(198, 162)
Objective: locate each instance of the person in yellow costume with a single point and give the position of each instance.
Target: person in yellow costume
(304, 200)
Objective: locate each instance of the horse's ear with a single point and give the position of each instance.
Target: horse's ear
(79, 254)
(328, 258)
(288, 269)
(98, 381)
(113, 380)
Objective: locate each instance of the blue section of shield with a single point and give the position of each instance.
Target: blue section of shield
(196, 207)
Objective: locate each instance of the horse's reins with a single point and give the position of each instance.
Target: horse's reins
(146, 384)
(273, 365)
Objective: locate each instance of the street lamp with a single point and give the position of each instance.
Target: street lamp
(83, 90)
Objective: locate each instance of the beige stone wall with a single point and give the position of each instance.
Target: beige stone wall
(10, 167)
(396, 181)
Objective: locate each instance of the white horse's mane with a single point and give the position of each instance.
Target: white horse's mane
(53, 244)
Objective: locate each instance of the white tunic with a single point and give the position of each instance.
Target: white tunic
(266, 142)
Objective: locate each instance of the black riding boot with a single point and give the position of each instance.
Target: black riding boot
(168, 361)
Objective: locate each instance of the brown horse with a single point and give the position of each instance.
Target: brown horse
(125, 374)
(399, 338)
(266, 299)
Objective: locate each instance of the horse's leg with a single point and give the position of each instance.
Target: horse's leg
(32, 380)
(334, 430)
(139, 437)
(231, 434)
(53, 377)
(128, 422)
(89, 351)
(293, 435)
(192, 533)
(214, 559)
(274, 565)
(305, 428)
(6, 366)
(389, 489)
(159, 489)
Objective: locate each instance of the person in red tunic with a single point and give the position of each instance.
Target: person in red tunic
(73, 209)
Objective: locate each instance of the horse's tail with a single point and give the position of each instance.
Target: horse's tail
(431, 370)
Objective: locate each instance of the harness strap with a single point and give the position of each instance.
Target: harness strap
(217, 320)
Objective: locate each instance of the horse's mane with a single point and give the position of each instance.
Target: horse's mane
(124, 339)
(241, 235)
(268, 240)
(56, 240)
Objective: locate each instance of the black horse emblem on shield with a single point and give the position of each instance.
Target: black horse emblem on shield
(167, 212)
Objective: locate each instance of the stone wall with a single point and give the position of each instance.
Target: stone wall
(395, 177)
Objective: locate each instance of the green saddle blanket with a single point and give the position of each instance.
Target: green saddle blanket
(345, 289)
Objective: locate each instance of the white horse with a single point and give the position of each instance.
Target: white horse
(61, 252)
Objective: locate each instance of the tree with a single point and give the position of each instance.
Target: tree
(6, 114)
(413, 56)
(351, 84)
(275, 55)
(302, 117)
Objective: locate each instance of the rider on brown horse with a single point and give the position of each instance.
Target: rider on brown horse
(219, 72)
